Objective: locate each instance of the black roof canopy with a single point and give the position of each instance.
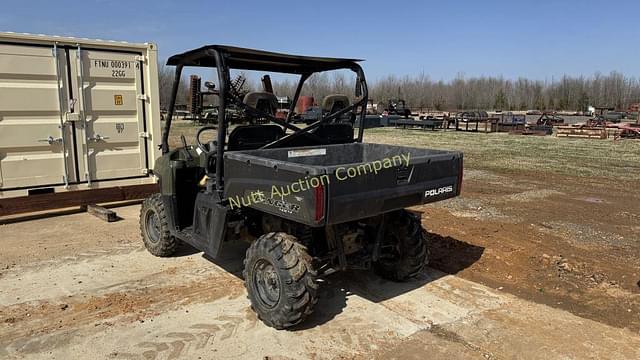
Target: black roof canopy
(259, 60)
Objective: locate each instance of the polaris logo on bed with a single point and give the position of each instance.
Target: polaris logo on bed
(438, 191)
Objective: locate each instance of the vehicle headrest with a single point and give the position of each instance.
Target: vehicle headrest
(262, 100)
(335, 102)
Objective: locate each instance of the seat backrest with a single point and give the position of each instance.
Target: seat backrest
(335, 102)
(263, 101)
(249, 137)
(338, 133)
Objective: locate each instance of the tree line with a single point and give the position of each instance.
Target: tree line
(567, 93)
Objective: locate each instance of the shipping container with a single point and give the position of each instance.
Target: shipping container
(76, 114)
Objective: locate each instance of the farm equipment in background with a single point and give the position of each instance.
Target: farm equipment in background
(582, 131)
(309, 115)
(490, 124)
(549, 119)
(196, 101)
(593, 129)
(599, 126)
(194, 104)
(543, 126)
(208, 114)
(424, 122)
(628, 131)
(394, 107)
(509, 122)
(608, 114)
(307, 110)
(532, 129)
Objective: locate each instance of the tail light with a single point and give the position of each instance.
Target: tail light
(319, 197)
(460, 175)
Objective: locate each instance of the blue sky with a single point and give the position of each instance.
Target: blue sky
(536, 39)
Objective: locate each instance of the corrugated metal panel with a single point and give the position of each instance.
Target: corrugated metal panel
(29, 116)
(105, 95)
(112, 86)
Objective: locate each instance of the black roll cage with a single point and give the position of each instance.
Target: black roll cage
(224, 58)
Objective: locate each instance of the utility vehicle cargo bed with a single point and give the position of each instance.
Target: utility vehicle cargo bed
(332, 184)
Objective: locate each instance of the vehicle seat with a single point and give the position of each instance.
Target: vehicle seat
(333, 133)
(339, 133)
(335, 102)
(263, 101)
(249, 137)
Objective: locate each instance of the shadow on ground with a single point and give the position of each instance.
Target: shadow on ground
(448, 256)
(18, 218)
(185, 249)
(451, 255)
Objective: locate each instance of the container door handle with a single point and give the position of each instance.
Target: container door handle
(51, 140)
(98, 138)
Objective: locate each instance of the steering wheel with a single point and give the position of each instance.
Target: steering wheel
(209, 147)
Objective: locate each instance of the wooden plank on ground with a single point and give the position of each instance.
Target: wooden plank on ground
(102, 213)
(41, 202)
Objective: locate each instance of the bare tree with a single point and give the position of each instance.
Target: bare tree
(165, 83)
(461, 93)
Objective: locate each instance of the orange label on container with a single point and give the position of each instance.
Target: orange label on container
(117, 99)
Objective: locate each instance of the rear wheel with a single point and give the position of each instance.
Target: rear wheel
(404, 251)
(154, 227)
(280, 280)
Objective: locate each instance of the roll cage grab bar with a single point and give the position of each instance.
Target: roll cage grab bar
(225, 97)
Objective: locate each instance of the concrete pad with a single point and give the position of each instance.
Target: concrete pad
(126, 303)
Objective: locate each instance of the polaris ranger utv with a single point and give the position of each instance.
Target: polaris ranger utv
(316, 199)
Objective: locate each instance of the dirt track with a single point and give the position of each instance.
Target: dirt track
(557, 245)
(98, 294)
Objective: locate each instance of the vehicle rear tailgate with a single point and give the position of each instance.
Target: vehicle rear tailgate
(427, 178)
(356, 180)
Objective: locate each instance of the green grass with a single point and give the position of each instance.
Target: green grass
(503, 152)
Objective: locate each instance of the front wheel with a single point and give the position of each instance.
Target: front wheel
(154, 227)
(280, 280)
(404, 251)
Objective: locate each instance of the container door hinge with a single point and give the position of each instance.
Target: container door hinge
(145, 171)
(142, 97)
(141, 58)
(145, 135)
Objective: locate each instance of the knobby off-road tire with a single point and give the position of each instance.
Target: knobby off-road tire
(154, 227)
(280, 280)
(404, 252)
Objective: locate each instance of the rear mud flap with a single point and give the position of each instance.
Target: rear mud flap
(209, 223)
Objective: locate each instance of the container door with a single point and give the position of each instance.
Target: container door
(35, 137)
(110, 132)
